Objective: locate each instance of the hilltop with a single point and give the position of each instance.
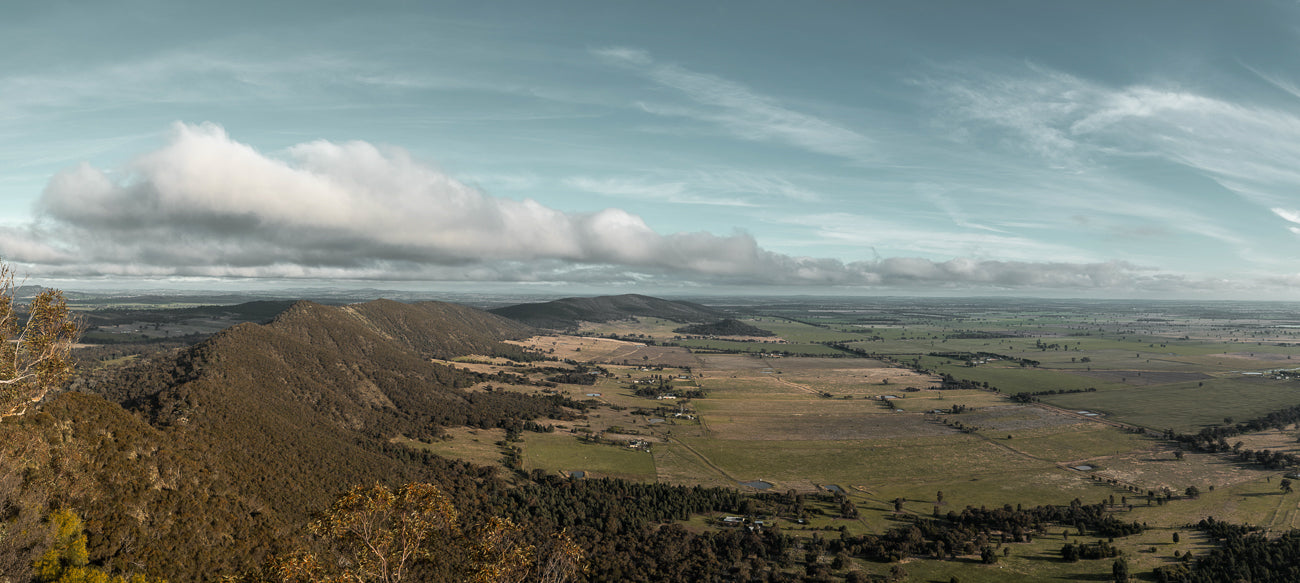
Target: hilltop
(568, 312)
(727, 327)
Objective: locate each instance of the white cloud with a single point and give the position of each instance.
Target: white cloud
(739, 110)
(1083, 128)
(1289, 215)
(205, 205)
(934, 238)
(718, 188)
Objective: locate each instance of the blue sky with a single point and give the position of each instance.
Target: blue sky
(1098, 149)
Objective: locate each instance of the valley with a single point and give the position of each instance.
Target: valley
(863, 439)
(899, 410)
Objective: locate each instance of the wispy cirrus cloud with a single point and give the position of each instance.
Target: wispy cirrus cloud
(738, 109)
(1088, 128)
(1291, 216)
(932, 238)
(731, 188)
(644, 189)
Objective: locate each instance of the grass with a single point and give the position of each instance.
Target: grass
(474, 445)
(913, 467)
(562, 452)
(1186, 407)
(765, 418)
(802, 349)
(1075, 442)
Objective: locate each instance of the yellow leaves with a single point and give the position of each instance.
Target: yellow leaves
(562, 560)
(67, 555)
(383, 532)
(379, 535)
(499, 552)
(67, 561)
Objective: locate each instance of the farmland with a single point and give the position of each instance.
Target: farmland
(906, 408)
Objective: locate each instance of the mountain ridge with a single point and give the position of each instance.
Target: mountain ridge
(285, 415)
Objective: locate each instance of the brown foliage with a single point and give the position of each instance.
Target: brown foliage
(375, 535)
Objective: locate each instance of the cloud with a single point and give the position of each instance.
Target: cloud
(933, 237)
(1076, 124)
(1197, 164)
(738, 109)
(1288, 215)
(730, 188)
(207, 200)
(205, 205)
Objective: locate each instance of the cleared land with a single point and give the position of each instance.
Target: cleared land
(880, 429)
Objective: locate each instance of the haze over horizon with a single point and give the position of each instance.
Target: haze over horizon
(1100, 149)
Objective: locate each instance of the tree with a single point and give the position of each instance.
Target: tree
(67, 556)
(376, 535)
(1193, 492)
(1120, 570)
(897, 573)
(67, 561)
(34, 353)
(1285, 486)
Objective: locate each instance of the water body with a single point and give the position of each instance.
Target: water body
(757, 485)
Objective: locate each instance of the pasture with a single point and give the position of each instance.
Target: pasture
(561, 452)
(805, 422)
(1189, 406)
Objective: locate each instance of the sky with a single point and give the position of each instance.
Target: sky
(1065, 149)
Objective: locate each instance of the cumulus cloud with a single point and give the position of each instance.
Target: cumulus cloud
(207, 205)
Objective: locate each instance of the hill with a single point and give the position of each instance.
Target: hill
(199, 463)
(263, 424)
(727, 327)
(568, 312)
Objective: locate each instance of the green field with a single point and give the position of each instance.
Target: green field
(561, 452)
(1187, 407)
(879, 429)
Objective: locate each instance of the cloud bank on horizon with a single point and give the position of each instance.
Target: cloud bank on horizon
(207, 205)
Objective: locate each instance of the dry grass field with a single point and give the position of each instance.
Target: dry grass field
(609, 351)
(475, 445)
(804, 423)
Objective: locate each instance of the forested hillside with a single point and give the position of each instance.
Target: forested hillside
(210, 456)
(204, 462)
(568, 312)
(727, 327)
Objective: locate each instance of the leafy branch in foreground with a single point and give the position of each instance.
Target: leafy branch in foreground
(34, 355)
(377, 535)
